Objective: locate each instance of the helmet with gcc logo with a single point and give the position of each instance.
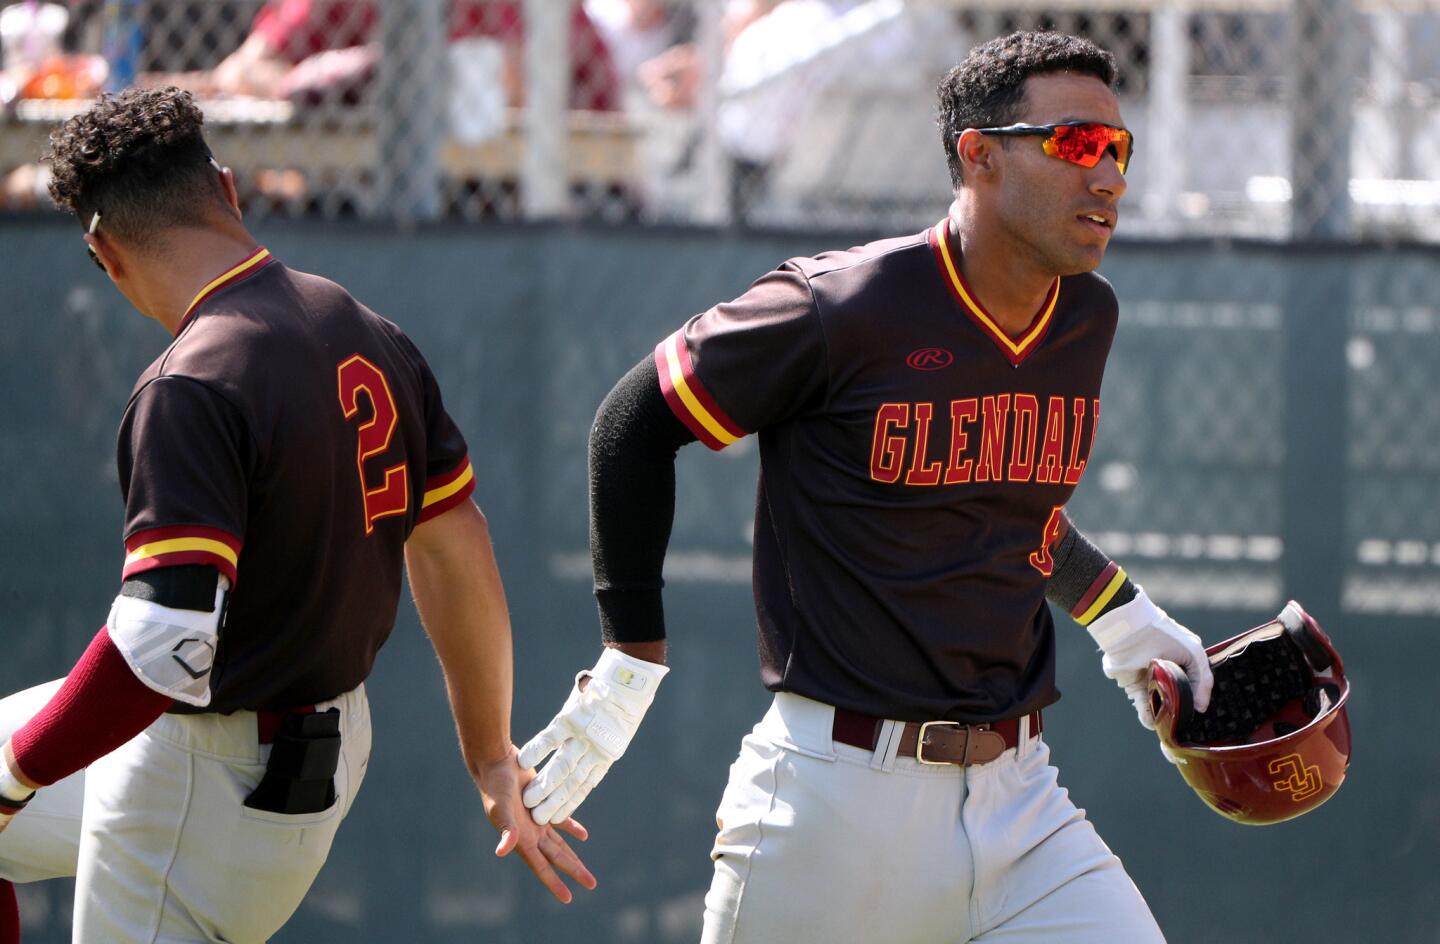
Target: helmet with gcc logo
(1275, 741)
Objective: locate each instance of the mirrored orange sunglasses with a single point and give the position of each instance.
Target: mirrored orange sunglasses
(1080, 142)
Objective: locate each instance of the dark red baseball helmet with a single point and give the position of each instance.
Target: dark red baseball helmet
(1275, 740)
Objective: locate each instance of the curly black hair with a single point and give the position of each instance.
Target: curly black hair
(987, 90)
(139, 158)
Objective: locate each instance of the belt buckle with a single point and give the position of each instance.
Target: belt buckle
(920, 743)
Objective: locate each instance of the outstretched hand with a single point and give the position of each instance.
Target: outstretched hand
(542, 848)
(591, 732)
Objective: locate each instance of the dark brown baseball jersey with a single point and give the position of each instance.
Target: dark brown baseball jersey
(291, 438)
(914, 461)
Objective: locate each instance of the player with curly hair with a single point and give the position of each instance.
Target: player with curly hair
(925, 407)
(281, 462)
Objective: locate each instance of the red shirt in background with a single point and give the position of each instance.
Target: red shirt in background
(300, 28)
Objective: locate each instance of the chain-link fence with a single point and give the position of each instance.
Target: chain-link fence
(1271, 118)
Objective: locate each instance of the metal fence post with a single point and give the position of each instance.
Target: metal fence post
(543, 173)
(1167, 113)
(712, 201)
(410, 122)
(1322, 96)
(1387, 73)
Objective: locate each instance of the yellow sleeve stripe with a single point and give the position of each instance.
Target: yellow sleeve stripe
(449, 488)
(1105, 597)
(692, 403)
(180, 545)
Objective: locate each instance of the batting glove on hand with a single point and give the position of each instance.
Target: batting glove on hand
(1132, 635)
(589, 734)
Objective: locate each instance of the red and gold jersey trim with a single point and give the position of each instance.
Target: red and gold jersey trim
(1101, 591)
(171, 547)
(443, 492)
(247, 267)
(688, 398)
(1015, 350)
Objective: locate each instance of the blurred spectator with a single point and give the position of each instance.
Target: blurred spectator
(636, 31)
(779, 58)
(321, 48)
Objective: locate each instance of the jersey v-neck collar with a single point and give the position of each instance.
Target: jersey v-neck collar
(245, 268)
(1015, 350)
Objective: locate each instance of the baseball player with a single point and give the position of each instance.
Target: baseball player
(280, 462)
(925, 407)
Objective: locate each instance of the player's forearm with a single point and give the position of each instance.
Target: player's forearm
(461, 601)
(101, 705)
(632, 507)
(1086, 583)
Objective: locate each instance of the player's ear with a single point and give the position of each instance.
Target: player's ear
(232, 193)
(105, 252)
(977, 154)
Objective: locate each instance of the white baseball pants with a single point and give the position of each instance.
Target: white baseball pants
(158, 838)
(824, 843)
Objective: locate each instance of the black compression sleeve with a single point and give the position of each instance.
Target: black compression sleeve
(1082, 572)
(182, 587)
(632, 503)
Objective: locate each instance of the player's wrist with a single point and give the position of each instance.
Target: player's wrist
(15, 789)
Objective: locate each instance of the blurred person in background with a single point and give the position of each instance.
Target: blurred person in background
(636, 31)
(322, 49)
(779, 57)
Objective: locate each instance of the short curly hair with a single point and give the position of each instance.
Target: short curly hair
(987, 90)
(140, 159)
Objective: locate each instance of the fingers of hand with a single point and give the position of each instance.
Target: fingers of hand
(1140, 698)
(539, 864)
(544, 851)
(559, 805)
(539, 747)
(575, 828)
(1202, 679)
(558, 851)
(578, 797)
(554, 774)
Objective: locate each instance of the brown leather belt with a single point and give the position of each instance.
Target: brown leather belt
(937, 742)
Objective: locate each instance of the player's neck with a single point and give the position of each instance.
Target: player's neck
(1004, 276)
(165, 289)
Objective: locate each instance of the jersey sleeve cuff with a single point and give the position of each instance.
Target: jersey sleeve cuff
(443, 492)
(170, 547)
(687, 397)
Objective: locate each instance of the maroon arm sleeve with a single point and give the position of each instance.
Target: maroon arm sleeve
(9, 914)
(100, 706)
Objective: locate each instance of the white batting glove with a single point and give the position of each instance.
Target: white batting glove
(1132, 635)
(589, 734)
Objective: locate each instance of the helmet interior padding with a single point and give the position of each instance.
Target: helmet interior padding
(1252, 683)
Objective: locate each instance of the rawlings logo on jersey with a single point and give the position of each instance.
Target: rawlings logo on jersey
(930, 358)
(1000, 438)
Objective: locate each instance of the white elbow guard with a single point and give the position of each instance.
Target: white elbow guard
(170, 650)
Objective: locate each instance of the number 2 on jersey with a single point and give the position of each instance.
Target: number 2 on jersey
(355, 374)
(1040, 558)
